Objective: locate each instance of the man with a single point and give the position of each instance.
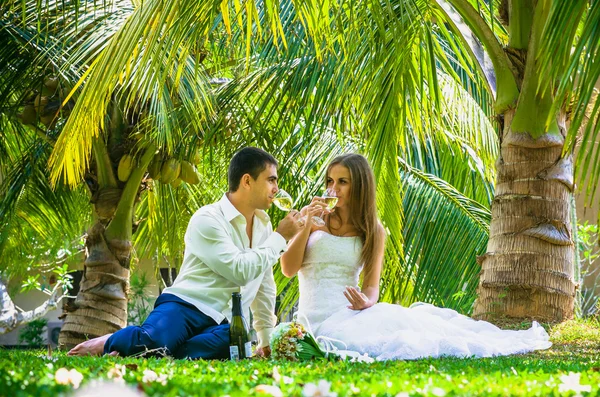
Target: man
(230, 247)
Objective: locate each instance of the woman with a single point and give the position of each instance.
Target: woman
(330, 260)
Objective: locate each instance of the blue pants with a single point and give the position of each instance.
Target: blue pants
(179, 326)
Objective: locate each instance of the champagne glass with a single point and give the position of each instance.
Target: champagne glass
(330, 199)
(283, 200)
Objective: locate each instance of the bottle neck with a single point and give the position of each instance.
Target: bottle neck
(236, 309)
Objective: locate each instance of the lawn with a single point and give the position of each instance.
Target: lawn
(570, 367)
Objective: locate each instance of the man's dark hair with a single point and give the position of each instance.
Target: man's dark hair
(249, 160)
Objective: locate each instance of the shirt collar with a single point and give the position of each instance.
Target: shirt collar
(230, 212)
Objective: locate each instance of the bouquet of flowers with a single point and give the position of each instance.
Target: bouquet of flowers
(291, 341)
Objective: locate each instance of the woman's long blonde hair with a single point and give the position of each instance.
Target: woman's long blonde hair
(363, 207)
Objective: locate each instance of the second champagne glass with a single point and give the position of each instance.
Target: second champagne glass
(283, 200)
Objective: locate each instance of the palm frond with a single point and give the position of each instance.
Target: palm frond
(569, 57)
(36, 219)
(443, 233)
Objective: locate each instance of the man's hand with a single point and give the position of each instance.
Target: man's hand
(263, 352)
(289, 226)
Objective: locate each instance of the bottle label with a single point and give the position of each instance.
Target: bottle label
(234, 353)
(248, 349)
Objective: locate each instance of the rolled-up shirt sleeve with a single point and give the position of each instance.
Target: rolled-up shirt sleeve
(263, 308)
(209, 240)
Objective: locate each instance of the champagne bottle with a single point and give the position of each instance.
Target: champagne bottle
(239, 342)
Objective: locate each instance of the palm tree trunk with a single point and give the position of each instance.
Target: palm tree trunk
(101, 304)
(527, 271)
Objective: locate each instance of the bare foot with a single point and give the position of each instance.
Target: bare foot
(92, 347)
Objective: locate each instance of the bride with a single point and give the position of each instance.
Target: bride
(330, 260)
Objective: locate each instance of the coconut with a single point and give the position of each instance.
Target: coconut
(51, 83)
(29, 116)
(105, 202)
(125, 167)
(176, 183)
(197, 157)
(40, 102)
(170, 170)
(188, 173)
(49, 120)
(154, 168)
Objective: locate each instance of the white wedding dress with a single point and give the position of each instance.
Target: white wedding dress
(391, 332)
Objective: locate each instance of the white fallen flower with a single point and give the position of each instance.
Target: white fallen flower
(268, 389)
(162, 379)
(278, 377)
(322, 389)
(76, 378)
(571, 382)
(149, 376)
(65, 377)
(117, 373)
(62, 376)
(101, 388)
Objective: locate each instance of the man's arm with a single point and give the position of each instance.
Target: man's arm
(207, 239)
(263, 309)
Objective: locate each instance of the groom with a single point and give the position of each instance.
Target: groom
(230, 247)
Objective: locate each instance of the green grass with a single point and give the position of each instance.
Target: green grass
(576, 349)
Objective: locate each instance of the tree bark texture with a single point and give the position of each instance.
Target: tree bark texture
(527, 271)
(101, 304)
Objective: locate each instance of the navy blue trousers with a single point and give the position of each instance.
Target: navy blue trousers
(179, 326)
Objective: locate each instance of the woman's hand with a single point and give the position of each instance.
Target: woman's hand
(358, 300)
(317, 206)
(315, 209)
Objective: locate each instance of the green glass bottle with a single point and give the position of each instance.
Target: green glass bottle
(239, 342)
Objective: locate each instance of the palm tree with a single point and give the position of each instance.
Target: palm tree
(545, 77)
(527, 270)
(379, 76)
(99, 306)
(38, 88)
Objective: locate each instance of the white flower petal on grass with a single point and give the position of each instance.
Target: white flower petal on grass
(62, 376)
(438, 392)
(287, 380)
(268, 389)
(403, 394)
(278, 377)
(97, 388)
(65, 377)
(117, 373)
(75, 378)
(571, 382)
(149, 376)
(162, 379)
(322, 389)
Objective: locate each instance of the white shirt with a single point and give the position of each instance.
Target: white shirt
(218, 261)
